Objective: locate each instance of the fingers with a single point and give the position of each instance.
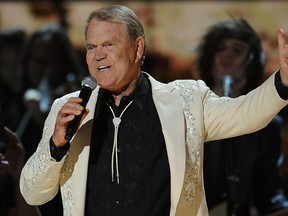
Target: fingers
(85, 113)
(3, 162)
(13, 141)
(283, 56)
(12, 137)
(281, 39)
(3, 165)
(66, 114)
(15, 153)
(282, 45)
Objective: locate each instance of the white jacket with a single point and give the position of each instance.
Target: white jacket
(189, 114)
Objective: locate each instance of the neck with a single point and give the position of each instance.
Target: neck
(127, 91)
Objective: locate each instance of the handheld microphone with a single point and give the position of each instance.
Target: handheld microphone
(88, 85)
(227, 82)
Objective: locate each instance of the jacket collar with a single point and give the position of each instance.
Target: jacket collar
(169, 107)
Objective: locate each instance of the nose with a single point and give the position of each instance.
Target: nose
(228, 53)
(99, 53)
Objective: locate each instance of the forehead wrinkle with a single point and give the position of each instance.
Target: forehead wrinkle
(107, 29)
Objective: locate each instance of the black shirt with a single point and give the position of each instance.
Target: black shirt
(144, 187)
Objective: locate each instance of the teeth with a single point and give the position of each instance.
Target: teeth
(102, 67)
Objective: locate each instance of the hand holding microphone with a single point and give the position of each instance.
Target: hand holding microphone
(70, 115)
(88, 85)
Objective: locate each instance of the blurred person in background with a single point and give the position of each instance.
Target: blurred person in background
(12, 155)
(244, 170)
(50, 69)
(12, 44)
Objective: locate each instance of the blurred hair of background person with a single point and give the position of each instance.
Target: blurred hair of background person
(50, 11)
(12, 153)
(12, 43)
(50, 69)
(244, 170)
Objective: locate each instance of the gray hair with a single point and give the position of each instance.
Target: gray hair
(120, 14)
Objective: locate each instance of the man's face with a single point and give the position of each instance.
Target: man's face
(113, 59)
(231, 58)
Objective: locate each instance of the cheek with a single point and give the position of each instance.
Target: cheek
(88, 58)
(217, 61)
(240, 62)
(90, 61)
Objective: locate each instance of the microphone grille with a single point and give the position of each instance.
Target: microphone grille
(89, 82)
(228, 78)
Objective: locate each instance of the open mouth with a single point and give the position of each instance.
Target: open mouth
(103, 68)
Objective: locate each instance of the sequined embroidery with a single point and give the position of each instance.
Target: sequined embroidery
(193, 146)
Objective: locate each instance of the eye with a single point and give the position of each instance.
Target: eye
(238, 51)
(90, 47)
(220, 48)
(110, 46)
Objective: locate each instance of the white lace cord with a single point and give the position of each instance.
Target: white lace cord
(116, 123)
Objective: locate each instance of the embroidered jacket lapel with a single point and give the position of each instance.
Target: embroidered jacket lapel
(170, 111)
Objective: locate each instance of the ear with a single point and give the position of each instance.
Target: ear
(139, 48)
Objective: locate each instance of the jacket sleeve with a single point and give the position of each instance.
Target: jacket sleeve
(39, 180)
(227, 117)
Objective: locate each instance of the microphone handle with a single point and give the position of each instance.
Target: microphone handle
(227, 85)
(28, 115)
(74, 124)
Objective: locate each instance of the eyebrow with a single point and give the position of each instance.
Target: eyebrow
(240, 43)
